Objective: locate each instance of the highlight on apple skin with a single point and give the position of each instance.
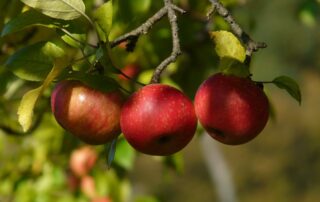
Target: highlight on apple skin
(158, 120)
(90, 115)
(233, 110)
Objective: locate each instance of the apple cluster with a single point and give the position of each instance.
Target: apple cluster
(82, 161)
(159, 119)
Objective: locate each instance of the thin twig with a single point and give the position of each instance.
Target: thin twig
(142, 29)
(176, 50)
(128, 77)
(77, 40)
(170, 9)
(251, 45)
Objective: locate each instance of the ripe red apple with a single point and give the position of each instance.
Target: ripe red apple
(233, 110)
(158, 120)
(82, 160)
(87, 113)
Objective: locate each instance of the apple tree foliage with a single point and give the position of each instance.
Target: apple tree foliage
(43, 42)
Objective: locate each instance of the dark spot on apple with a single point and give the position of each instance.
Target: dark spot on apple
(164, 139)
(216, 131)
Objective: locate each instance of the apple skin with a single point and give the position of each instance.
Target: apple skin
(82, 160)
(90, 115)
(158, 120)
(232, 110)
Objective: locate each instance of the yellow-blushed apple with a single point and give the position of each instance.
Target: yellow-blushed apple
(91, 115)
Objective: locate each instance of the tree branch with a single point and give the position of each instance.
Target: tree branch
(176, 50)
(142, 29)
(170, 9)
(251, 45)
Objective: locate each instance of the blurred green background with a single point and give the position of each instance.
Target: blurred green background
(281, 165)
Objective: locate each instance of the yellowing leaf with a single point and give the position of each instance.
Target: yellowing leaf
(29, 100)
(25, 110)
(228, 46)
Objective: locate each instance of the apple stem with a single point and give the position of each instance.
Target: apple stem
(125, 90)
(129, 78)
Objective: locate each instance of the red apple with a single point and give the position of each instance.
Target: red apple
(158, 120)
(88, 186)
(73, 182)
(233, 110)
(131, 70)
(82, 160)
(101, 199)
(87, 113)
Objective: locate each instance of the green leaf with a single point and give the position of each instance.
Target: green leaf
(227, 45)
(290, 85)
(60, 9)
(103, 19)
(140, 6)
(26, 19)
(231, 66)
(125, 155)
(111, 151)
(27, 104)
(30, 63)
(74, 28)
(53, 50)
(96, 81)
(34, 62)
(75, 40)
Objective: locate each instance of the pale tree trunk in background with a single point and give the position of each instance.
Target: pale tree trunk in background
(218, 169)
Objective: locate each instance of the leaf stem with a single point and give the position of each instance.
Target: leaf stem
(77, 40)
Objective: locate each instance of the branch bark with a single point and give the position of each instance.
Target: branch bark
(251, 45)
(142, 29)
(176, 50)
(170, 10)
